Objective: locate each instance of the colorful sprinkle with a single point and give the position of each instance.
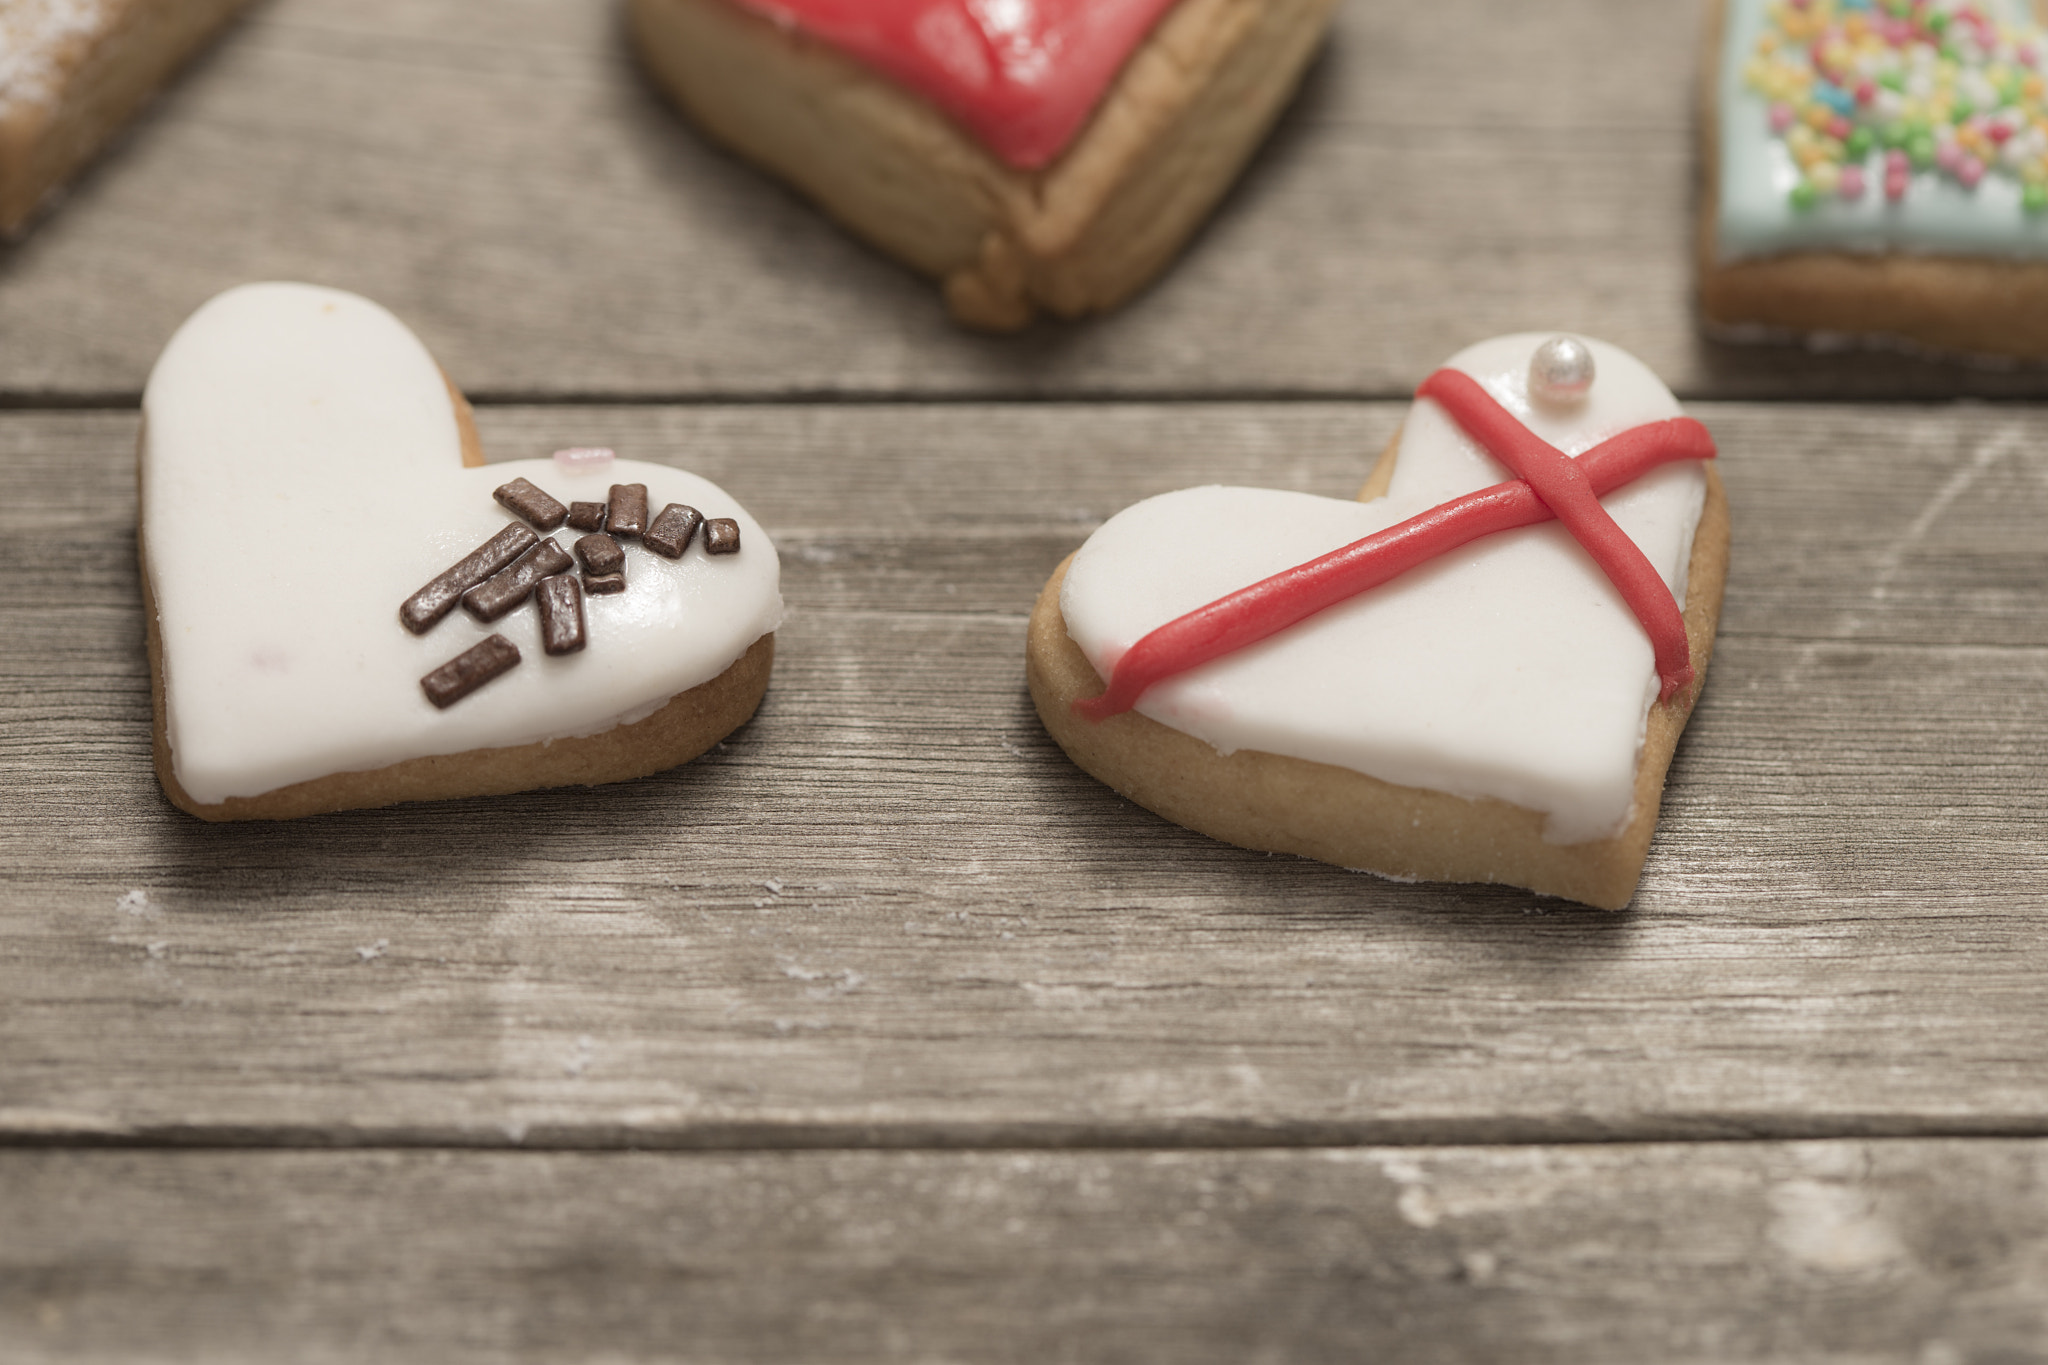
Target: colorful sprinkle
(1934, 85)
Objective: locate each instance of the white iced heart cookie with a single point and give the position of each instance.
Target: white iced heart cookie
(306, 469)
(1491, 715)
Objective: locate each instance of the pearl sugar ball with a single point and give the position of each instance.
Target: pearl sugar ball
(1561, 372)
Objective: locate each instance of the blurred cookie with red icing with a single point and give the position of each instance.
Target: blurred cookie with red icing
(1032, 155)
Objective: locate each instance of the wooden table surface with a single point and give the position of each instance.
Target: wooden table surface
(884, 1034)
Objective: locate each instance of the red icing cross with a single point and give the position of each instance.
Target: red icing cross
(1021, 75)
(1551, 484)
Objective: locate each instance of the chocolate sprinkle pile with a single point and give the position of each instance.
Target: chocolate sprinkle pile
(672, 531)
(469, 670)
(600, 554)
(529, 502)
(516, 564)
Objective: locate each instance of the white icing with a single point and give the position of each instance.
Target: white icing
(1756, 218)
(1509, 668)
(302, 476)
(40, 42)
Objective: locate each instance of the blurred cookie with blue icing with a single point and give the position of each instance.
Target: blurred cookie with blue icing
(1877, 170)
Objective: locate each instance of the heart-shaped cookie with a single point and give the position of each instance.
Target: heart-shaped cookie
(1030, 153)
(346, 608)
(1491, 714)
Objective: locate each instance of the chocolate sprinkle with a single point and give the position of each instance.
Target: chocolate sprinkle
(529, 502)
(469, 670)
(438, 598)
(604, 584)
(513, 584)
(673, 530)
(626, 516)
(721, 536)
(586, 516)
(560, 601)
(600, 554)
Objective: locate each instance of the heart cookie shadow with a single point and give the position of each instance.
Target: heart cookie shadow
(453, 854)
(1159, 862)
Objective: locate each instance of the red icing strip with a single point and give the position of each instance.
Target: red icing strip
(1293, 595)
(1020, 75)
(1562, 485)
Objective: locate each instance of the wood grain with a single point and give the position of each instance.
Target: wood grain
(888, 912)
(937, 1050)
(1892, 1253)
(515, 189)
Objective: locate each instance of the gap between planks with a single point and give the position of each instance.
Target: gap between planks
(54, 1133)
(90, 403)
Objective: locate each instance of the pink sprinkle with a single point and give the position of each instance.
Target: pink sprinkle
(1866, 91)
(1801, 4)
(1781, 117)
(1895, 183)
(1851, 184)
(1896, 163)
(1998, 133)
(1970, 171)
(2028, 56)
(579, 458)
(1839, 127)
(1948, 156)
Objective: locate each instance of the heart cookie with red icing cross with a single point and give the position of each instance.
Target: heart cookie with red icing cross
(347, 608)
(1031, 154)
(1477, 672)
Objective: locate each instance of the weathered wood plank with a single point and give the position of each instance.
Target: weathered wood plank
(1897, 524)
(1894, 1253)
(513, 188)
(889, 910)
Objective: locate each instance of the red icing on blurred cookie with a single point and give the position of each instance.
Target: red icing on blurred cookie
(1021, 75)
